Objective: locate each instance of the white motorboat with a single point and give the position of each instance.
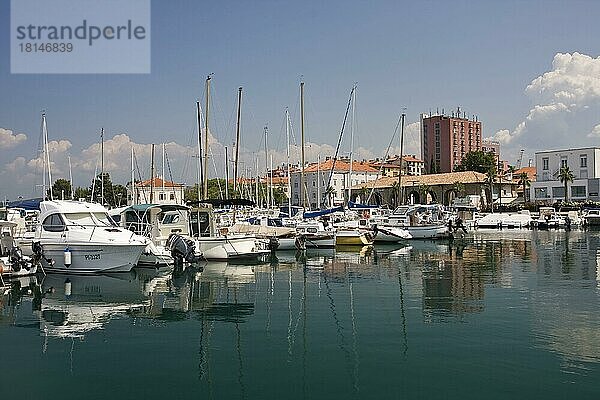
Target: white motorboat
(284, 238)
(520, 219)
(315, 235)
(212, 245)
(591, 217)
(420, 221)
(80, 237)
(156, 222)
(391, 234)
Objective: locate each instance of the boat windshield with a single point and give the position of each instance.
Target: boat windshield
(83, 219)
(89, 219)
(103, 218)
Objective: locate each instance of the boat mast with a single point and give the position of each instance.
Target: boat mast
(163, 168)
(237, 141)
(226, 174)
(271, 175)
(351, 144)
(152, 175)
(302, 199)
(267, 199)
(257, 182)
(200, 174)
(133, 196)
(71, 179)
(289, 182)
(401, 200)
(102, 167)
(319, 181)
(205, 192)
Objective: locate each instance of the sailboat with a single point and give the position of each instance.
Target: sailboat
(210, 243)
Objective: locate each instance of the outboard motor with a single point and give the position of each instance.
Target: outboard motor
(182, 249)
(38, 254)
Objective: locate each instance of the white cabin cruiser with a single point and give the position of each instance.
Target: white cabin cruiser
(420, 221)
(315, 235)
(213, 245)
(80, 237)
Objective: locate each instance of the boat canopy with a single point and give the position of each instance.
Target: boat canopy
(318, 213)
(352, 204)
(26, 204)
(69, 207)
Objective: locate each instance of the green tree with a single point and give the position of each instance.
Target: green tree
(490, 178)
(96, 188)
(478, 161)
(82, 193)
(565, 176)
(524, 181)
(61, 190)
(119, 198)
(423, 191)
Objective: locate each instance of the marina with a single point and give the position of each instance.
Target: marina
(299, 200)
(323, 322)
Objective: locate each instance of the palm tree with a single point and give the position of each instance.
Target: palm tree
(423, 190)
(458, 188)
(327, 194)
(565, 176)
(395, 194)
(524, 181)
(490, 178)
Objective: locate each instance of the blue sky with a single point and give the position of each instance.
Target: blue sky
(421, 55)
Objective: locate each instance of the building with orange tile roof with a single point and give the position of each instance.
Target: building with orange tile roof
(156, 191)
(317, 176)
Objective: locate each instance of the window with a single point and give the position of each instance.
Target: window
(563, 162)
(583, 161)
(314, 184)
(578, 191)
(161, 196)
(172, 197)
(295, 184)
(558, 191)
(545, 164)
(54, 223)
(541, 193)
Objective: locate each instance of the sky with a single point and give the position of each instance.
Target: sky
(530, 70)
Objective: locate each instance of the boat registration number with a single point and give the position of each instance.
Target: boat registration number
(91, 257)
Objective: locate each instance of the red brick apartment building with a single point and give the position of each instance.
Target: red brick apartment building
(446, 139)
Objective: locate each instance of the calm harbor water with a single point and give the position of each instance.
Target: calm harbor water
(510, 314)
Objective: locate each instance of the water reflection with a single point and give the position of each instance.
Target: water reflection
(350, 310)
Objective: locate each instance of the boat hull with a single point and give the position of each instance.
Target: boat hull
(231, 248)
(319, 241)
(91, 258)
(352, 238)
(438, 231)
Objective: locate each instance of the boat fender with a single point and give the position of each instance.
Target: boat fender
(67, 254)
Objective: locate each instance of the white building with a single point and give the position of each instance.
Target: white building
(584, 163)
(317, 176)
(157, 191)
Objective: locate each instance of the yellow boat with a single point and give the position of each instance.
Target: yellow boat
(353, 238)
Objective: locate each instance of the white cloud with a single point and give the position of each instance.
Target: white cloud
(595, 133)
(564, 101)
(8, 139)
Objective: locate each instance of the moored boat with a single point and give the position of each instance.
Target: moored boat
(351, 237)
(80, 237)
